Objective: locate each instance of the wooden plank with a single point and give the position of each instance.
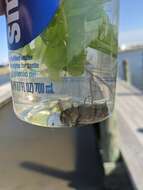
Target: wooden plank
(129, 108)
(132, 153)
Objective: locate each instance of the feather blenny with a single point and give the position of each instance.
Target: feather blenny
(83, 114)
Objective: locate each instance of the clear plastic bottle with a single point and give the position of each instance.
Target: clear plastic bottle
(63, 60)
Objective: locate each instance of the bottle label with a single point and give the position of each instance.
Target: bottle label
(26, 19)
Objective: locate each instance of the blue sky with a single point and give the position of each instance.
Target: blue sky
(131, 26)
(3, 40)
(131, 22)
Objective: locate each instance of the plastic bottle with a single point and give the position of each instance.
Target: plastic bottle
(63, 60)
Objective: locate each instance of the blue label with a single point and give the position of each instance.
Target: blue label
(26, 19)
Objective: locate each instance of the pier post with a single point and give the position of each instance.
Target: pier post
(109, 139)
(126, 72)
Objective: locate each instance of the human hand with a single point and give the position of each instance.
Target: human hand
(2, 5)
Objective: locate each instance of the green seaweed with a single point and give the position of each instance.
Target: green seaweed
(78, 24)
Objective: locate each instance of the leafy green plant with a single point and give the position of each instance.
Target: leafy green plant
(78, 24)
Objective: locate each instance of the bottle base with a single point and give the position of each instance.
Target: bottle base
(63, 113)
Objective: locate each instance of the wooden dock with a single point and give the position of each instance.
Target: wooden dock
(17, 139)
(129, 108)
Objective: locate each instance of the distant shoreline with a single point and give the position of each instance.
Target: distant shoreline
(4, 70)
(131, 48)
